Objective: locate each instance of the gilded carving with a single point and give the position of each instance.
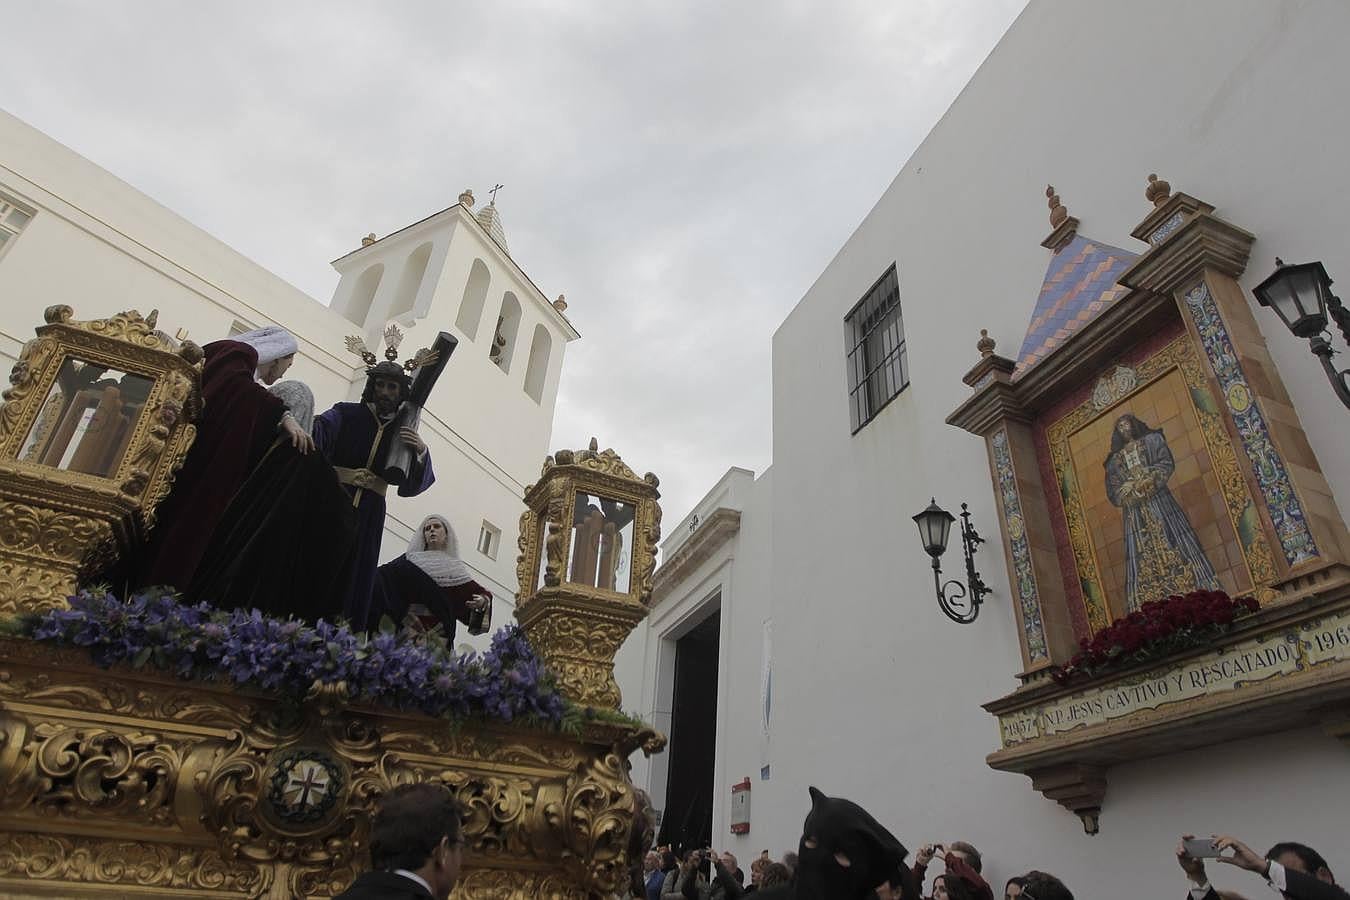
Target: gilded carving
(35, 356)
(48, 532)
(596, 817)
(579, 645)
(65, 513)
(137, 782)
(230, 792)
(125, 864)
(79, 772)
(499, 884)
(22, 586)
(575, 618)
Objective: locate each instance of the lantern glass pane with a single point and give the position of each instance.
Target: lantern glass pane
(543, 549)
(87, 419)
(600, 549)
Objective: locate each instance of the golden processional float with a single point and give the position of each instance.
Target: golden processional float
(132, 782)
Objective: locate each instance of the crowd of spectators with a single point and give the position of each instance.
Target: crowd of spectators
(416, 848)
(1295, 871)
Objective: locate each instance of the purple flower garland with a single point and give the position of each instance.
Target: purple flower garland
(405, 670)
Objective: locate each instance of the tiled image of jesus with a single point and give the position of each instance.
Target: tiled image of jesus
(1163, 556)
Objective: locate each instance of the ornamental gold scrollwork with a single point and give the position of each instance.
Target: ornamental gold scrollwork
(125, 865)
(495, 808)
(88, 772)
(503, 884)
(33, 529)
(594, 819)
(649, 532)
(1180, 355)
(579, 646)
(524, 558)
(61, 522)
(22, 587)
(480, 747)
(547, 816)
(34, 356)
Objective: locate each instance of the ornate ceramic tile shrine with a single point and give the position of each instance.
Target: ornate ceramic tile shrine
(1142, 446)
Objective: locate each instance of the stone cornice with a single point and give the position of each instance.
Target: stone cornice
(1203, 242)
(714, 531)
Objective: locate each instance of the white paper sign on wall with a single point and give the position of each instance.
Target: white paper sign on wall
(740, 807)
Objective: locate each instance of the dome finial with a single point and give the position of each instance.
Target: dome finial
(368, 240)
(466, 198)
(1158, 191)
(1058, 212)
(985, 344)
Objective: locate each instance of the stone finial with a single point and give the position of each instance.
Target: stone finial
(368, 240)
(985, 344)
(466, 198)
(1058, 213)
(1158, 191)
(560, 304)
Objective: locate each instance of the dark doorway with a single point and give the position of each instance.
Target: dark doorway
(687, 819)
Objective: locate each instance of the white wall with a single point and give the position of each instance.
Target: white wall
(877, 695)
(100, 246)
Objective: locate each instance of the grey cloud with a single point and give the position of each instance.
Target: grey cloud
(680, 170)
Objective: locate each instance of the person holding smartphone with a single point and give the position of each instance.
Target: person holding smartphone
(1296, 871)
(688, 881)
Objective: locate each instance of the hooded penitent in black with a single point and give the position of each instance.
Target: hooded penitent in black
(844, 854)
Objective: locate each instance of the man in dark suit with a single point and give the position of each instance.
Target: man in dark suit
(1297, 871)
(415, 846)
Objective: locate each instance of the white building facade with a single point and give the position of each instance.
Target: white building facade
(72, 233)
(835, 667)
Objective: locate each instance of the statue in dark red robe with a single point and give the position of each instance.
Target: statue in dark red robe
(354, 438)
(432, 583)
(285, 544)
(240, 421)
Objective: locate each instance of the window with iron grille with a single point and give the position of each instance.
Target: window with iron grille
(877, 366)
(13, 218)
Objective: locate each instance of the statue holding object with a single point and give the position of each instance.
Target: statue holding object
(374, 444)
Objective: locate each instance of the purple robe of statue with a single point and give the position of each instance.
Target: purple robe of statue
(350, 436)
(1163, 555)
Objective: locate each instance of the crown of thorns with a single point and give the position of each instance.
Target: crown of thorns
(392, 339)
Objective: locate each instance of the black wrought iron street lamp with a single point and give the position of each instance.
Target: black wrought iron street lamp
(935, 526)
(1301, 296)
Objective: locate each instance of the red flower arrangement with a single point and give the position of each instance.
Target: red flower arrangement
(1156, 629)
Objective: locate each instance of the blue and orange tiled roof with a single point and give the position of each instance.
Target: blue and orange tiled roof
(1079, 284)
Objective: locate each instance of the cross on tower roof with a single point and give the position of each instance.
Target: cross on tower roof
(495, 189)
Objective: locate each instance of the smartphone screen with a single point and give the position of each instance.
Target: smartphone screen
(1200, 848)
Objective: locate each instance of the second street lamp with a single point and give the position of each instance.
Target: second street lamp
(1301, 296)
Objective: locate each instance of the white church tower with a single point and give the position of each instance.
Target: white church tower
(493, 405)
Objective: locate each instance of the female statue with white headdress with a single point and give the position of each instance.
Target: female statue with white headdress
(240, 421)
(430, 581)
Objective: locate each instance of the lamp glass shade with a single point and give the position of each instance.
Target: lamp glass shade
(1298, 294)
(935, 526)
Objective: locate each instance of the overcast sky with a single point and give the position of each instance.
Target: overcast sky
(682, 171)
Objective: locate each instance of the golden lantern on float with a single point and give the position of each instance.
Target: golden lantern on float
(95, 422)
(587, 553)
